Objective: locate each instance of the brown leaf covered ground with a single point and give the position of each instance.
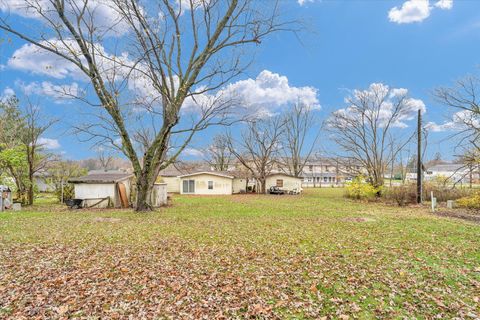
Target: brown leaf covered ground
(311, 256)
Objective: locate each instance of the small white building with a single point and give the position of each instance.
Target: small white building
(284, 181)
(206, 183)
(105, 189)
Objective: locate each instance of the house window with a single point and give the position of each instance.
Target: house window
(310, 168)
(280, 183)
(324, 179)
(210, 185)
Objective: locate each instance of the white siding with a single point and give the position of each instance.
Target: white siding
(221, 185)
(239, 185)
(173, 184)
(96, 192)
(289, 183)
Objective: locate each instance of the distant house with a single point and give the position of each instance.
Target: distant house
(329, 171)
(43, 181)
(102, 189)
(454, 172)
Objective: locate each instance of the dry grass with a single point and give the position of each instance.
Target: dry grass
(311, 256)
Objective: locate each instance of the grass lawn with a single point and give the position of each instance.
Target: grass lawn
(310, 256)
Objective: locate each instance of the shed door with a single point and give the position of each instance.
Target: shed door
(188, 186)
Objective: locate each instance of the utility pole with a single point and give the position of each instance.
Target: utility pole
(419, 157)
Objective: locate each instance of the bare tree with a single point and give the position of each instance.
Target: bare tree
(464, 97)
(218, 154)
(297, 149)
(37, 159)
(364, 129)
(179, 52)
(106, 160)
(257, 149)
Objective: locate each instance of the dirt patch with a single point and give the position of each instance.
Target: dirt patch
(359, 219)
(464, 215)
(103, 219)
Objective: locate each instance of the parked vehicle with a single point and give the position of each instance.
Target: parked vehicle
(276, 190)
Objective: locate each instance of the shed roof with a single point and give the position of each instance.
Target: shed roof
(106, 177)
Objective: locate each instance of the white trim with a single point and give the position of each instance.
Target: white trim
(206, 172)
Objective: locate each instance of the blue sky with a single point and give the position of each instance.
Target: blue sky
(418, 45)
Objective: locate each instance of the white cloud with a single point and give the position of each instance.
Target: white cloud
(263, 96)
(416, 10)
(461, 120)
(46, 88)
(193, 152)
(48, 143)
(7, 93)
(30, 58)
(303, 2)
(100, 13)
(444, 4)
(410, 11)
(269, 92)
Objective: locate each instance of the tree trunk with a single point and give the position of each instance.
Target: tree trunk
(263, 183)
(30, 191)
(144, 190)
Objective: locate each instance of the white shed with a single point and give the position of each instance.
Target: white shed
(101, 190)
(284, 181)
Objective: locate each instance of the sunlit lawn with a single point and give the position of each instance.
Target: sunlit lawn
(239, 256)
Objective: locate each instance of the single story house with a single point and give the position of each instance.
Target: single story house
(104, 189)
(206, 183)
(284, 181)
(203, 182)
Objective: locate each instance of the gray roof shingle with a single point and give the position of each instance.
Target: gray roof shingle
(105, 177)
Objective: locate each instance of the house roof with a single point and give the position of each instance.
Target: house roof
(213, 173)
(283, 174)
(452, 167)
(105, 177)
(320, 174)
(178, 169)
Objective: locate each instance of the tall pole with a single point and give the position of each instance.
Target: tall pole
(419, 157)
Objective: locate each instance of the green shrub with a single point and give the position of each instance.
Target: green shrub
(471, 202)
(68, 192)
(361, 190)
